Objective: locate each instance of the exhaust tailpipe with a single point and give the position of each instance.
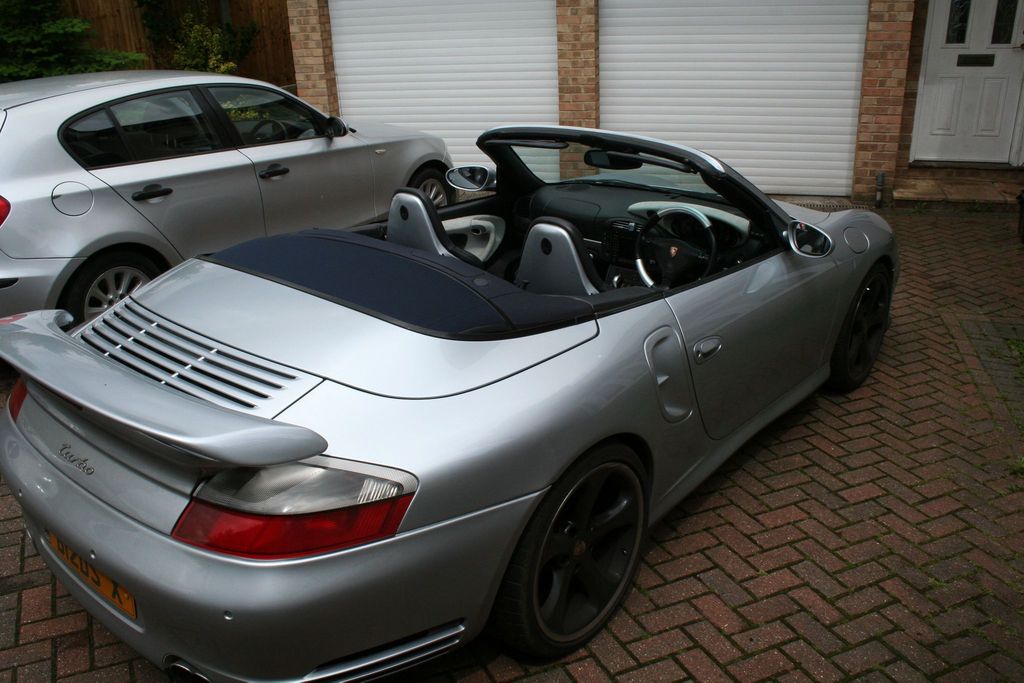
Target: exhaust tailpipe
(183, 672)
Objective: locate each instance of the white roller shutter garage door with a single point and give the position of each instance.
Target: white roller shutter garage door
(453, 67)
(772, 87)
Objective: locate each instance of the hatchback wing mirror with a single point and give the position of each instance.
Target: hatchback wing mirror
(336, 128)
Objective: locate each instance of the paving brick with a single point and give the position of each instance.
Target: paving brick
(711, 639)
(761, 667)
(661, 645)
(702, 667)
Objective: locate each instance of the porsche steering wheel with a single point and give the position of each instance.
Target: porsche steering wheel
(675, 256)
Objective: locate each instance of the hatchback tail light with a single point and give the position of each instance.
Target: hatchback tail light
(18, 395)
(5, 210)
(296, 510)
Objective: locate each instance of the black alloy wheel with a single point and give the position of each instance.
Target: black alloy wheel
(860, 339)
(576, 558)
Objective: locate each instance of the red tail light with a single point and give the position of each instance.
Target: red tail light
(17, 397)
(5, 210)
(267, 537)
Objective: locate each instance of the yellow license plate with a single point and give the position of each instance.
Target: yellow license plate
(111, 590)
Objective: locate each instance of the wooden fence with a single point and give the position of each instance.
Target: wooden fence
(117, 25)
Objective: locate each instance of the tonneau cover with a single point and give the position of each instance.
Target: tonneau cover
(435, 295)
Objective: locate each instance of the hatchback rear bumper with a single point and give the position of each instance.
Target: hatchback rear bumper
(32, 283)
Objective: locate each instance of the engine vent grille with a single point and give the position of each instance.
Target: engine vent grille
(200, 367)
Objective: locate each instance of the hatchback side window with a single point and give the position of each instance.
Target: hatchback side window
(262, 116)
(94, 141)
(166, 124)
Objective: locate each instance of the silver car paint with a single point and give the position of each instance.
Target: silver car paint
(404, 364)
(483, 456)
(156, 413)
(184, 594)
(35, 164)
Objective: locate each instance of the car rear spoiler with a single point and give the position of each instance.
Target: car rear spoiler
(134, 406)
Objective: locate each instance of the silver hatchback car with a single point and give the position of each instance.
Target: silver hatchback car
(108, 179)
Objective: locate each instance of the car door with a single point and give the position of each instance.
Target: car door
(307, 180)
(183, 177)
(754, 332)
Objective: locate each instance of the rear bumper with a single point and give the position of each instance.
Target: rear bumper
(238, 620)
(31, 284)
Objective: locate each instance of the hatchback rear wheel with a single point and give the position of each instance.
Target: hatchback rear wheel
(104, 281)
(431, 182)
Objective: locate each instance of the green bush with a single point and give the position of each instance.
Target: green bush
(37, 39)
(201, 48)
(190, 41)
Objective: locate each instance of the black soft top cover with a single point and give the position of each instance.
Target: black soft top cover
(435, 295)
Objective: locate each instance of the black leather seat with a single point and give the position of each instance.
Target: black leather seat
(413, 222)
(555, 261)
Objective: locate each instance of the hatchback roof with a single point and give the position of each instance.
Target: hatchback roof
(23, 92)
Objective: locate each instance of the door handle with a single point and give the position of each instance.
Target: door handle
(273, 171)
(151, 192)
(706, 348)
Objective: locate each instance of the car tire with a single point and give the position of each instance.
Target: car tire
(432, 183)
(860, 338)
(104, 281)
(576, 558)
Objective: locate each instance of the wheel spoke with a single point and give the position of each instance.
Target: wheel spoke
(598, 583)
(586, 497)
(557, 546)
(621, 515)
(555, 605)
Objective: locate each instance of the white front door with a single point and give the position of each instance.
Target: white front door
(969, 99)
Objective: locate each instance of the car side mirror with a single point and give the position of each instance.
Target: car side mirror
(807, 240)
(336, 128)
(472, 178)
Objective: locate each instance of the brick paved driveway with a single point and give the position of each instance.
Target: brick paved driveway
(874, 536)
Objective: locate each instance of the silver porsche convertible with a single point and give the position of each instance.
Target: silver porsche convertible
(329, 455)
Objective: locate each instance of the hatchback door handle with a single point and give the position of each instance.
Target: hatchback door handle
(706, 348)
(151, 192)
(273, 171)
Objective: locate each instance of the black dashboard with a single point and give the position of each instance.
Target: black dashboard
(602, 215)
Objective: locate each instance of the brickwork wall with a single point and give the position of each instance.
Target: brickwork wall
(310, 25)
(578, 93)
(883, 87)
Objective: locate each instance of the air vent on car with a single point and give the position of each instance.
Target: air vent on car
(195, 365)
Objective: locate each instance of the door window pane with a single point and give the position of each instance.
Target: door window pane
(94, 141)
(165, 125)
(1002, 28)
(956, 25)
(262, 116)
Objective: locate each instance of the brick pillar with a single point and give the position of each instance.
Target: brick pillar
(883, 85)
(577, 63)
(310, 25)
